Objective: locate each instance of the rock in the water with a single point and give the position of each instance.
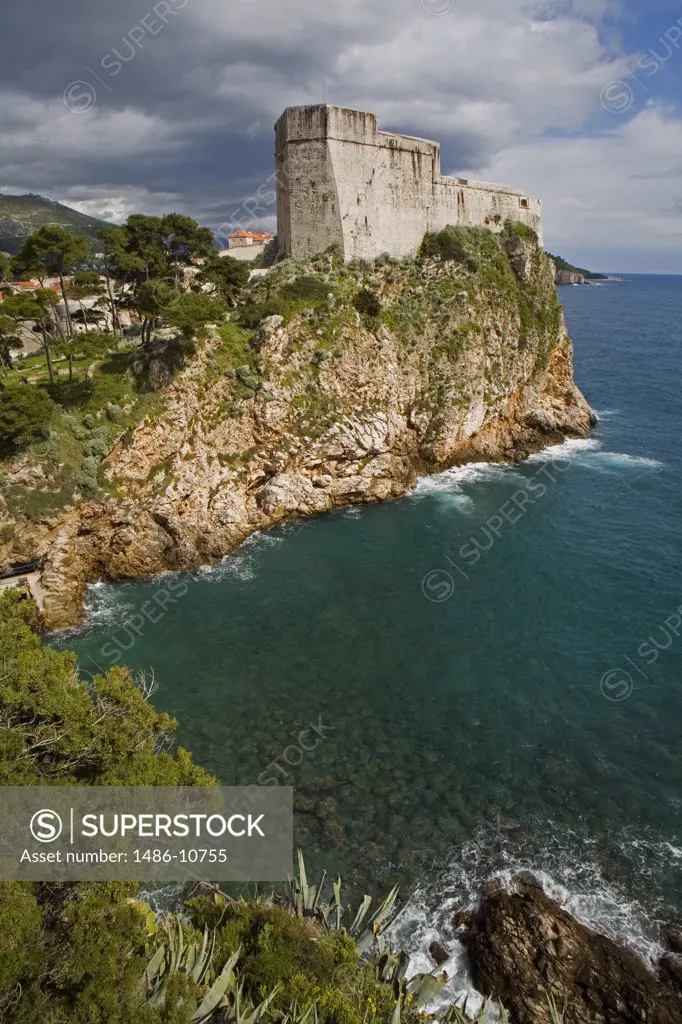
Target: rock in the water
(439, 954)
(671, 934)
(463, 918)
(671, 968)
(523, 946)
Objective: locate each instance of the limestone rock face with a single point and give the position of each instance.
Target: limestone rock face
(570, 277)
(522, 945)
(287, 494)
(520, 255)
(266, 330)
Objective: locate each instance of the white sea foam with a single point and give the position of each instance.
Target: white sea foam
(590, 454)
(457, 486)
(243, 563)
(618, 460)
(449, 486)
(103, 607)
(568, 872)
(573, 448)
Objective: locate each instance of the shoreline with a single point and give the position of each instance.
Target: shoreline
(400, 490)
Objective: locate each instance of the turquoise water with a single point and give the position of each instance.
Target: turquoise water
(471, 655)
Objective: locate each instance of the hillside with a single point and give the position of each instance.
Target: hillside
(20, 215)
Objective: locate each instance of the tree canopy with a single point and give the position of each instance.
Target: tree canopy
(191, 312)
(25, 412)
(227, 274)
(154, 248)
(56, 729)
(52, 251)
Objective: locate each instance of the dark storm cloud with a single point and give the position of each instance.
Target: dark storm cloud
(159, 60)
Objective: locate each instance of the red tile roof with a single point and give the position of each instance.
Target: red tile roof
(260, 236)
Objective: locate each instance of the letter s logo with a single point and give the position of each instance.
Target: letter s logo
(46, 826)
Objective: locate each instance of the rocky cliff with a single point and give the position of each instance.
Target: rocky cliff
(332, 384)
(564, 277)
(523, 948)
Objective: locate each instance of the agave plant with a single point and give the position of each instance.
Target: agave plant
(369, 934)
(459, 1015)
(305, 901)
(223, 991)
(176, 956)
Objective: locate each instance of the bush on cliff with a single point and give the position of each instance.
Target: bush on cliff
(57, 730)
(25, 412)
(307, 287)
(452, 243)
(367, 303)
(516, 228)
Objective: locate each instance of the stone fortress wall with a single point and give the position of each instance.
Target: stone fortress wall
(340, 180)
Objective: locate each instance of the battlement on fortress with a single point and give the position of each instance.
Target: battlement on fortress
(342, 181)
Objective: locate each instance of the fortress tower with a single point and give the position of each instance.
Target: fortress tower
(340, 180)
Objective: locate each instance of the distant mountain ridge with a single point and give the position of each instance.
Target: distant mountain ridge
(21, 215)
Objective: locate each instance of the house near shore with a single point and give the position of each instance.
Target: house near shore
(241, 238)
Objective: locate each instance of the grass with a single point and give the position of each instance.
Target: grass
(235, 349)
(71, 457)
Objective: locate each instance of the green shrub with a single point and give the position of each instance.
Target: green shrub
(97, 446)
(255, 310)
(87, 477)
(306, 288)
(367, 303)
(515, 228)
(447, 244)
(25, 414)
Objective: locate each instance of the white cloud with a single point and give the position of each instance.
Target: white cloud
(32, 125)
(116, 205)
(612, 197)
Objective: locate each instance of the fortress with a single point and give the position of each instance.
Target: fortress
(341, 181)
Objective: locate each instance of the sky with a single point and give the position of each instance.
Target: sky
(151, 107)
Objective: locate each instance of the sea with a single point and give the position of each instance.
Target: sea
(482, 677)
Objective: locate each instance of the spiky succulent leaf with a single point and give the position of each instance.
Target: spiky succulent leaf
(360, 915)
(425, 987)
(215, 994)
(153, 969)
(395, 1016)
